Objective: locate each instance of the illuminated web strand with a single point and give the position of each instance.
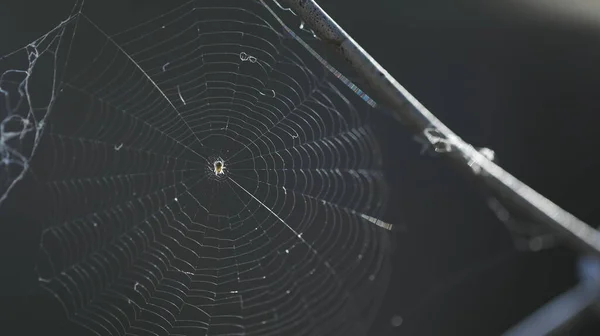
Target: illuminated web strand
(287, 249)
(329, 67)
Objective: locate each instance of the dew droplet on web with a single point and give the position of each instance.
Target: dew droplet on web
(396, 320)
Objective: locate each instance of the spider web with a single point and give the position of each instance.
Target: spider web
(23, 114)
(145, 236)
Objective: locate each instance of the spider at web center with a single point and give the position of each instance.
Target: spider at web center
(219, 167)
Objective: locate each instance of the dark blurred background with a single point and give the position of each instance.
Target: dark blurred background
(515, 76)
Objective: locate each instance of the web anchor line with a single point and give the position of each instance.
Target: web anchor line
(312, 249)
(378, 222)
(151, 81)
